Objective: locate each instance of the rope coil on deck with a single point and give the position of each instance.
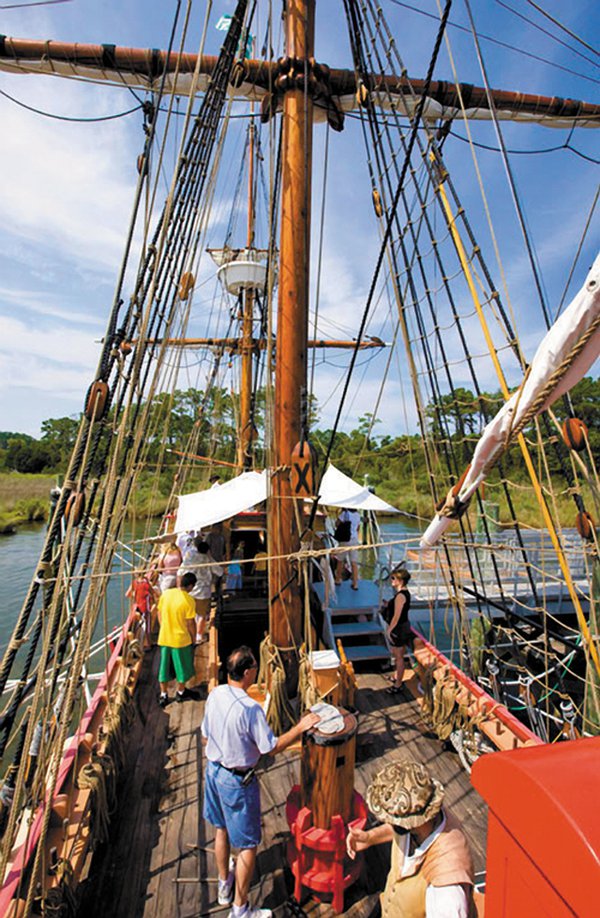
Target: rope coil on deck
(60, 901)
(133, 652)
(118, 718)
(100, 777)
(448, 717)
(307, 690)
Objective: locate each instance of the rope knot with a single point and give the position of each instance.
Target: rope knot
(453, 507)
(308, 76)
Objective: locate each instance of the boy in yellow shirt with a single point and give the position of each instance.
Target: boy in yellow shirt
(177, 619)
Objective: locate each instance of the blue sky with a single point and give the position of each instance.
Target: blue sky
(67, 190)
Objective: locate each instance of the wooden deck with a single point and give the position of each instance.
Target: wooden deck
(160, 862)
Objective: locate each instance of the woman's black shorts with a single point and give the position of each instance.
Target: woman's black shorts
(401, 635)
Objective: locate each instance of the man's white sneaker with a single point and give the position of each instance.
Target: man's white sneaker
(225, 892)
(252, 913)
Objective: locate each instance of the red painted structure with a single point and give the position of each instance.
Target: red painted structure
(543, 849)
(318, 856)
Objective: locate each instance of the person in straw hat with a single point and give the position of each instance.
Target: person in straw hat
(431, 874)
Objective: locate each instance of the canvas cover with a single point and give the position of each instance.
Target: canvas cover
(205, 508)
(339, 490)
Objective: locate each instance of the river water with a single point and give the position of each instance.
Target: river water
(19, 554)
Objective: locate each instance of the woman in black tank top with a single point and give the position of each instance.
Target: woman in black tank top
(399, 631)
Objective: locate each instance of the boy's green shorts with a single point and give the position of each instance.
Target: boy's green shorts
(176, 663)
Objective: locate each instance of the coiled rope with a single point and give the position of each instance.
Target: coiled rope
(271, 676)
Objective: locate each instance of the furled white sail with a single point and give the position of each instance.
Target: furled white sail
(561, 360)
(184, 82)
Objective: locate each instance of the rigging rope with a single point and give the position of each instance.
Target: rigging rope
(452, 462)
(548, 33)
(509, 173)
(496, 41)
(563, 146)
(38, 111)
(380, 68)
(577, 253)
(563, 27)
(386, 236)
(126, 447)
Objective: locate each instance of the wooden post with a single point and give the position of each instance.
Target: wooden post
(327, 780)
(246, 425)
(292, 334)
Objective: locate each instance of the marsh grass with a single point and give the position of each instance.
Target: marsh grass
(23, 498)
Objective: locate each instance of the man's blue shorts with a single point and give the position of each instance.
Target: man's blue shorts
(231, 806)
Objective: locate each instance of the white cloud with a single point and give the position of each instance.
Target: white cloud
(43, 304)
(71, 185)
(60, 360)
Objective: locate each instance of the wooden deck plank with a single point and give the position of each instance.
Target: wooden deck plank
(133, 829)
(160, 860)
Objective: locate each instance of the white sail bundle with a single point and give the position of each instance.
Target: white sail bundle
(575, 335)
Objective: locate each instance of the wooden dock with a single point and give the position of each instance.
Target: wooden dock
(160, 859)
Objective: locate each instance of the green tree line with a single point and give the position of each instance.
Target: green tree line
(395, 466)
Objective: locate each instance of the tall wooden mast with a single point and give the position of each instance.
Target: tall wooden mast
(292, 329)
(246, 421)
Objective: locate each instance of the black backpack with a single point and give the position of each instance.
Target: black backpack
(343, 531)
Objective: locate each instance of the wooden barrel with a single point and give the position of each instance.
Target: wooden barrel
(328, 772)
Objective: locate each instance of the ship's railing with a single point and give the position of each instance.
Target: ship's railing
(493, 567)
(97, 648)
(498, 724)
(23, 854)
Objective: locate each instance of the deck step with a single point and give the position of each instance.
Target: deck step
(367, 652)
(350, 629)
(355, 619)
(367, 596)
(366, 610)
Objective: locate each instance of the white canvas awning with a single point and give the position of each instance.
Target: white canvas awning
(205, 508)
(338, 490)
(563, 357)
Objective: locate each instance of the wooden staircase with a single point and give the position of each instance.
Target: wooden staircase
(353, 617)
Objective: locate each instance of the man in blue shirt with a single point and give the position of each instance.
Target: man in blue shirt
(237, 734)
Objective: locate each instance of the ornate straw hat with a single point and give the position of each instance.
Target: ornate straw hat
(404, 794)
